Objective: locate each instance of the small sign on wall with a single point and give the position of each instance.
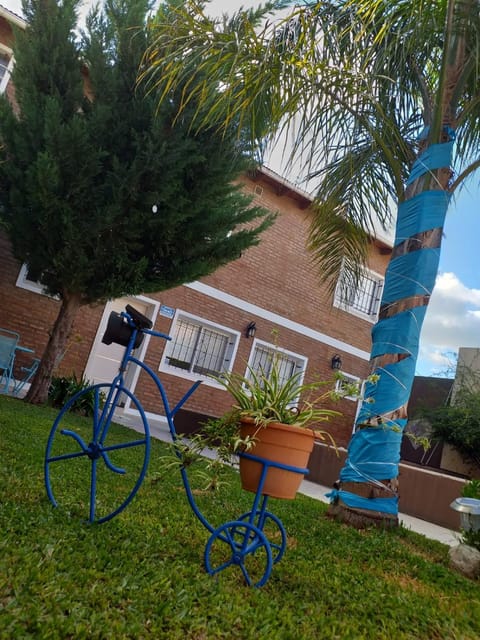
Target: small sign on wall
(167, 312)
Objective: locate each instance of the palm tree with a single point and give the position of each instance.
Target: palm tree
(383, 98)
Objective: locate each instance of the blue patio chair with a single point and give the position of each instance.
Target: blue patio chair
(8, 344)
(29, 372)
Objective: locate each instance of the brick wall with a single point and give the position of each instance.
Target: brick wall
(213, 401)
(33, 315)
(6, 35)
(279, 274)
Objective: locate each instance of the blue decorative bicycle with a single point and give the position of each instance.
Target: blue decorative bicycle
(80, 454)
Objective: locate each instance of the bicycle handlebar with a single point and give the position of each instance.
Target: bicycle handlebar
(157, 334)
(141, 323)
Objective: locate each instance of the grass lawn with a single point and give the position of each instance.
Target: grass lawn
(141, 574)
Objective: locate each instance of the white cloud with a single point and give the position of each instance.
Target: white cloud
(452, 321)
(453, 316)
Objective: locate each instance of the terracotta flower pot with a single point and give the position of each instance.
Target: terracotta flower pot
(283, 443)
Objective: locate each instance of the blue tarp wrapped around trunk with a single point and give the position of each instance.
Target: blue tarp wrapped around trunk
(374, 450)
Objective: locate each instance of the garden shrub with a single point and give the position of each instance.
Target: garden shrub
(458, 425)
(62, 388)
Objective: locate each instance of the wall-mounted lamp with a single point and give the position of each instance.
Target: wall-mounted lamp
(250, 330)
(336, 362)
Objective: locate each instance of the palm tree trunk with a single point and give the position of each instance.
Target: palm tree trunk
(38, 392)
(368, 481)
(367, 490)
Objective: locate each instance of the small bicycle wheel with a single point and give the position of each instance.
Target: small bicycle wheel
(240, 544)
(272, 528)
(83, 454)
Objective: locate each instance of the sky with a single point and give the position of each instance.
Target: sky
(453, 316)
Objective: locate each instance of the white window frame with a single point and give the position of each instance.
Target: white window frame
(342, 291)
(24, 282)
(349, 379)
(300, 361)
(232, 335)
(7, 52)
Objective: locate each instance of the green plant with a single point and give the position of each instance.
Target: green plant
(265, 398)
(268, 398)
(471, 489)
(83, 95)
(219, 435)
(62, 388)
(471, 538)
(459, 425)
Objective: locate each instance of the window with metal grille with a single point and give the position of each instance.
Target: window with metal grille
(264, 356)
(363, 297)
(199, 348)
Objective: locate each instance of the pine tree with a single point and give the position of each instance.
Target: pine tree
(101, 195)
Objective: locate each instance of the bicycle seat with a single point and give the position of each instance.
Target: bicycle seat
(119, 331)
(139, 320)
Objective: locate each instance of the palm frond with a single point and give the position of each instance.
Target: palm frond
(350, 84)
(337, 243)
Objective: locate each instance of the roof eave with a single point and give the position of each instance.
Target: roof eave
(13, 18)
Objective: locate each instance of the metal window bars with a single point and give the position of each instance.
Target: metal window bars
(198, 349)
(364, 297)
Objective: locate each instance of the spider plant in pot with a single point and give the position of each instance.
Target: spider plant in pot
(277, 419)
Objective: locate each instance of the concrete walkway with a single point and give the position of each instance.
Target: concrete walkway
(159, 430)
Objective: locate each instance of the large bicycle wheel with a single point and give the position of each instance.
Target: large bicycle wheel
(273, 529)
(93, 466)
(240, 544)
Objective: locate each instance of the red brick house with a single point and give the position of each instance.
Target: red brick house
(272, 286)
